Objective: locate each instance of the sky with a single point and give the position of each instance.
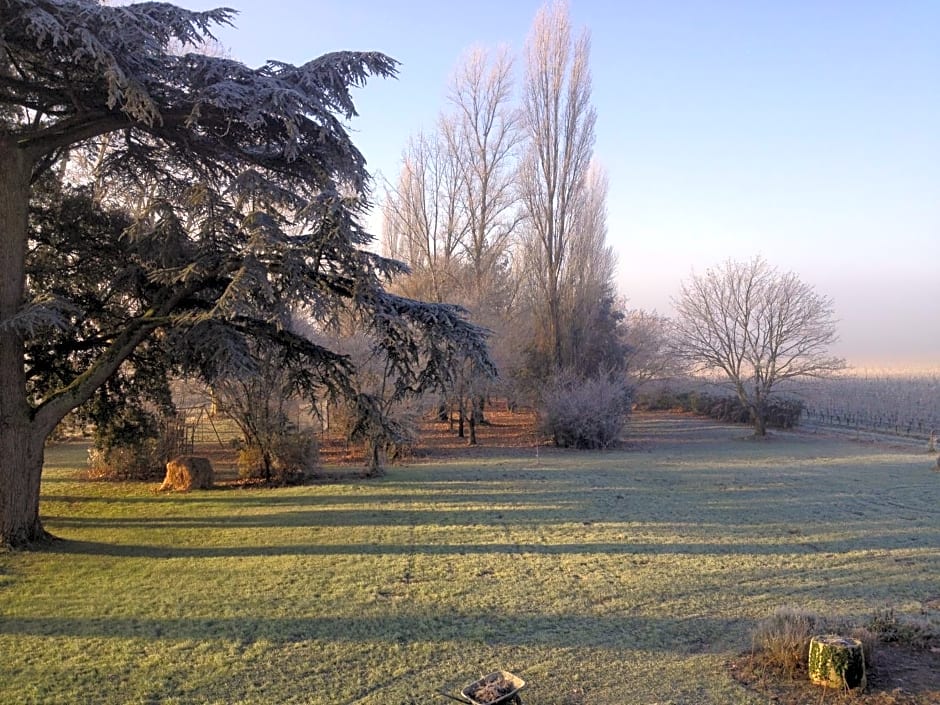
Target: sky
(806, 132)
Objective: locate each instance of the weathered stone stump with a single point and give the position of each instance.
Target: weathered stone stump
(837, 662)
(188, 472)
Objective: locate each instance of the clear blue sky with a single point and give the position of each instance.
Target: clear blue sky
(804, 131)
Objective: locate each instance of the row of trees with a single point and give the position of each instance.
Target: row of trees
(502, 208)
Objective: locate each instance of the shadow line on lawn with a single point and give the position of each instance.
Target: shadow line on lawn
(916, 538)
(651, 633)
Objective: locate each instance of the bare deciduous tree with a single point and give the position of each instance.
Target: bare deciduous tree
(758, 327)
(591, 314)
(483, 135)
(482, 132)
(424, 225)
(453, 212)
(558, 120)
(649, 355)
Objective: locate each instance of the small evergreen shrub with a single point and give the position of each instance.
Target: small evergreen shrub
(136, 449)
(130, 461)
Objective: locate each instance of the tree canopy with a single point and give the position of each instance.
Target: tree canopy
(758, 327)
(216, 201)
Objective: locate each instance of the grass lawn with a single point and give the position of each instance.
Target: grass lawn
(620, 577)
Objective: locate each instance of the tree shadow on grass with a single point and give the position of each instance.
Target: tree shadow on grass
(626, 548)
(659, 634)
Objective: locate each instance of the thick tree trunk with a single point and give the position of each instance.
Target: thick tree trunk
(21, 451)
(755, 409)
(375, 458)
(759, 420)
(481, 410)
(21, 437)
(760, 426)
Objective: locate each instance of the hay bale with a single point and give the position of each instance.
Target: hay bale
(188, 472)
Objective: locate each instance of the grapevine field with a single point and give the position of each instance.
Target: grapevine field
(901, 405)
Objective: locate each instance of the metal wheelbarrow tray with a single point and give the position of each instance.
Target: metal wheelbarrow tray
(497, 688)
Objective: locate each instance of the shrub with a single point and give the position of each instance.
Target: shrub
(783, 639)
(779, 412)
(587, 413)
(868, 639)
(250, 463)
(292, 458)
(784, 413)
(664, 400)
(890, 627)
(723, 408)
(136, 461)
(137, 453)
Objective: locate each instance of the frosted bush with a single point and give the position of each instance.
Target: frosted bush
(585, 413)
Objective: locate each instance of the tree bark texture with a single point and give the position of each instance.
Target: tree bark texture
(20, 474)
(21, 438)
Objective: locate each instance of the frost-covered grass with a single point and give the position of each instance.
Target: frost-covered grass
(612, 577)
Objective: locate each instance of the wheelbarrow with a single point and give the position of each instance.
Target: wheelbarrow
(498, 688)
